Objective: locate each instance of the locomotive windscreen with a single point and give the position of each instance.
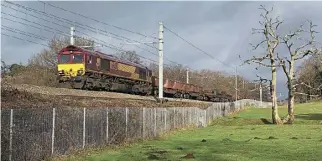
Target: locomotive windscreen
(71, 58)
(63, 59)
(77, 58)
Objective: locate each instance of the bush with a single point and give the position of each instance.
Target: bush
(34, 75)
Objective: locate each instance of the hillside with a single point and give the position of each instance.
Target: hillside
(24, 95)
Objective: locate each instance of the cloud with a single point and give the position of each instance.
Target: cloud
(222, 29)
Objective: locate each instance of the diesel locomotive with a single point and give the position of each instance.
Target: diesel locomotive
(93, 70)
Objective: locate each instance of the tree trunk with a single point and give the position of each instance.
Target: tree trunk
(290, 93)
(275, 117)
(291, 117)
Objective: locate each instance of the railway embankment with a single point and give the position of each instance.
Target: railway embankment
(31, 96)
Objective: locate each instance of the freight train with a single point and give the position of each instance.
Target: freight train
(79, 68)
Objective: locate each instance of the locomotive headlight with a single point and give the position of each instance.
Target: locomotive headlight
(80, 71)
(61, 72)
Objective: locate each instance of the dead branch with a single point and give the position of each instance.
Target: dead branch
(256, 46)
(306, 94)
(304, 54)
(301, 50)
(262, 80)
(302, 83)
(271, 38)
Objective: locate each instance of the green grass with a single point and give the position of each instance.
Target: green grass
(245, 136)
(309, 113)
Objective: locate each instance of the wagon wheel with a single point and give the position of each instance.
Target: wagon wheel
(187, 96)
(136, 91)
(177, 95)
(107, 87)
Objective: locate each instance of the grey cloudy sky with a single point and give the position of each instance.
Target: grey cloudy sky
(222, 29)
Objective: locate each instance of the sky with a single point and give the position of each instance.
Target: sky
(222, 29)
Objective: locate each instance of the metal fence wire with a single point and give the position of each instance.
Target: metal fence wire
(37, 134)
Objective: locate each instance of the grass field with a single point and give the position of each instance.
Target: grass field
(245, 136)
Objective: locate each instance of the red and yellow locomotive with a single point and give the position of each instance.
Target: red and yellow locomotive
(86, 69)
(93, 70)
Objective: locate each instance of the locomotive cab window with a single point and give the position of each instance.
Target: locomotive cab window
(89, 59)
(77, 58)
(142, 74)
(105, 65)
(63, 59)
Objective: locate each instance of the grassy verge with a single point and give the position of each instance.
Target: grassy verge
(245, 136)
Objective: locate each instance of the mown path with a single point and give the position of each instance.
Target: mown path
(246, 136)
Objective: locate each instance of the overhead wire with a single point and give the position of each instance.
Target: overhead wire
(24, 33)
(80, 25)
(120, 28)
(236, 73)
(196, 47)
(61, 19)
(74, 25)
(32, 22)
(21, 23)
(38, 37)
(103, 43)
(65, 34)
(171, 31)
(23, 39)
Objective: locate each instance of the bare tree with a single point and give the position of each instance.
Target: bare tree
(308, 79)
(4, 68)
(130, 56)
(308, 75)
(271, 41)
(296, 52)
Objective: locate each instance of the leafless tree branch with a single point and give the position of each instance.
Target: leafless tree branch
(302, 83)
(306, 94)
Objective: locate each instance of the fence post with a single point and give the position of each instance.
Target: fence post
(53, 132)
(213, 113)
(126, 121)
(183, 125)
(84, 127)
(190, 113)
(165, 120)
(155, 122)
(197, 119)
(107, 125)
(10, 141)
(206, 123)
(174, 118)
(143, 123)
(195, 114)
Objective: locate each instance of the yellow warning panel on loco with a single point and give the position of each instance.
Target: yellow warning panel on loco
(71, 69)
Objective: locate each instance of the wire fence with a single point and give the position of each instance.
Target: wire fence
(37, 134)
